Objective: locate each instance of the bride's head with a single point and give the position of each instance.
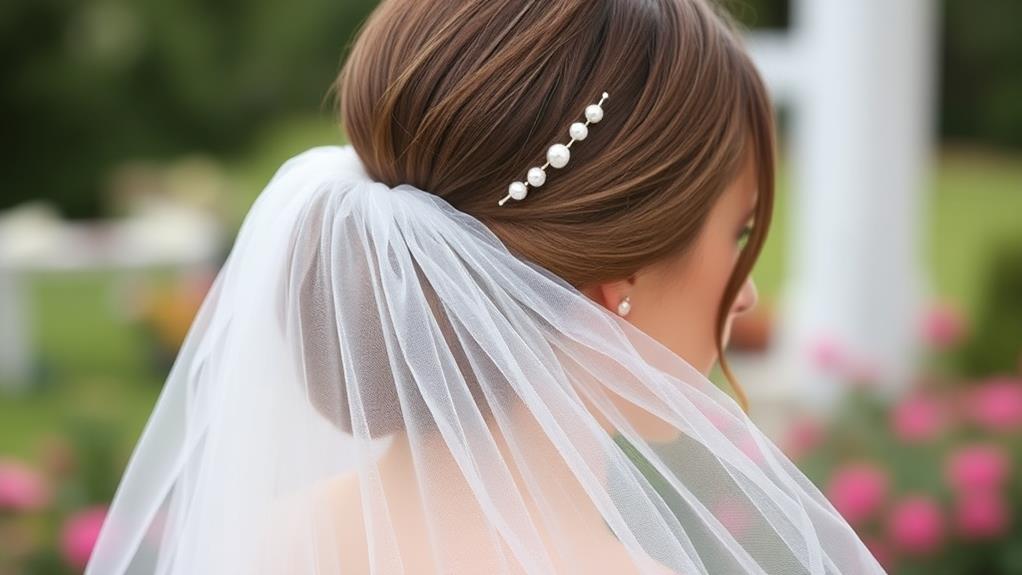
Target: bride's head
(461, 98)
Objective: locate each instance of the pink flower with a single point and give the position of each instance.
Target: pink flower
(79, 534)
(803, 436)
(916, 524)
(21, 487)
(918, 418)
(981, 515)
(979, 467)
(858, 490)
(827, 353)
(943, 326)
(996, 404)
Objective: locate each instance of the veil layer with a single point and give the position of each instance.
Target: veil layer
(375, 384)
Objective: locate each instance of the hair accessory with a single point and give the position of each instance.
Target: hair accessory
(557, 155)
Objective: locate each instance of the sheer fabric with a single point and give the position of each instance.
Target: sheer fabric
(375, 384)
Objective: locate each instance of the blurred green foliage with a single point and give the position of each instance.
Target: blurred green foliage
(996, 343)
(88, 84)
(981, 85)
(760, 13)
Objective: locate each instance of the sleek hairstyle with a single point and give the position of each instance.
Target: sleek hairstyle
(461, 97)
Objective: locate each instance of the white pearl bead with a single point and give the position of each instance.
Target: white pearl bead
(624, 307)
(578, 131)
(537, 177)
(517, 190)
(594, 113)
(558, 155)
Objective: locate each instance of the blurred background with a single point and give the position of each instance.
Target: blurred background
(885, 356)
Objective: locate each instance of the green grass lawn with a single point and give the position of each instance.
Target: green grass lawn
(92, 366)
(95, 366)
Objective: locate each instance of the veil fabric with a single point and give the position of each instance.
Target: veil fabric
(375, 384)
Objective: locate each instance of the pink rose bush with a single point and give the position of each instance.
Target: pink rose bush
(52, 506)
(978, 468)
(919, 418)
(996, 404)
(981, 515)
(858, 490)
(22, 488)
(78, 535)
(931, 480)
(916, 525)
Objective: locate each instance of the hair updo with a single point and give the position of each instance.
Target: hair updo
(460, 98)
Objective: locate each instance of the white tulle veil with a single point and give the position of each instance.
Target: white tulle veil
(375, 384)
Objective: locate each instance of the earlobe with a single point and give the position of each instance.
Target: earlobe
(608, 295)
(612, 294)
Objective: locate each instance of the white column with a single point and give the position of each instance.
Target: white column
(864, 116)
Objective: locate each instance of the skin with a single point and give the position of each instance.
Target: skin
(676, 302)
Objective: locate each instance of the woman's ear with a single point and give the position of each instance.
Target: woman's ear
(609, 294)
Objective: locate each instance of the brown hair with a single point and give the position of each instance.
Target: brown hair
(461, 97)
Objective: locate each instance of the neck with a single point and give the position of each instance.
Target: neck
(540, 465)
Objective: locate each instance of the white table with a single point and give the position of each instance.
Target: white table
(33, 240)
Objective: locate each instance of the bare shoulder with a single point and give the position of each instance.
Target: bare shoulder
(302, 533)
(339, 498)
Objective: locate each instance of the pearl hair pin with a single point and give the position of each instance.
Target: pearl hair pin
(557, 155)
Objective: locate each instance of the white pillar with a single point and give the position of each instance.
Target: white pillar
(864, 115)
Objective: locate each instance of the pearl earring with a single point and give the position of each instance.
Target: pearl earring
(557, 155)
(624, 307)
